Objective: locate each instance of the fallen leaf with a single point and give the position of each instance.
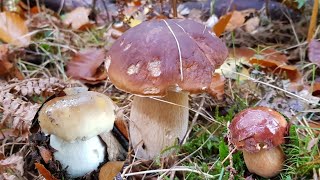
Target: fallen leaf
(252, 24)
(13, 29)
(114, 148)
(221, 25)
(110, 170)
(45, 154)
(237, 20)
(13, 163)
(44, 172)
(86, 66)
(267, 53)
(314, 52)
(77, 18)
(316, 89)
(216, 88)
(122, 126)
(290, 72)
(232, 65)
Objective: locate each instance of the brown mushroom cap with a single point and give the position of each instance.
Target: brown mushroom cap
(145, 59)
(256, 128)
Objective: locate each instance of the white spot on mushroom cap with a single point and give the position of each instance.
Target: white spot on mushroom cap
(151, 90)
(154, 68)
(133, 69)
(107, 63)
(127, 47)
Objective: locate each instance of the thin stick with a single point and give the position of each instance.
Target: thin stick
(193, 120)
(275, 87)
(179, 50)
(167, 170)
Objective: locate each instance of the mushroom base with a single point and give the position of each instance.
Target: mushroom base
(156, 125)
(79, 157)
(266, 163)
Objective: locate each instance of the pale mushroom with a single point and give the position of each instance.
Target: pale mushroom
(74, 122)
(258, 132)
(166, 59)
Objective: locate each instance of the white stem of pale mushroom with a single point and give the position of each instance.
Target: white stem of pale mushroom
(156, 125)
(266, 163)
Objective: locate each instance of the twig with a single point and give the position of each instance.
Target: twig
(193, 121)
(179, 168)
(179, 50)
(275, 87)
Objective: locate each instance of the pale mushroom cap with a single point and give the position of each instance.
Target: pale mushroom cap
(77, 116)
(145, 60)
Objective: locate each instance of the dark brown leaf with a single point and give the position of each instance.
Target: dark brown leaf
(86, 66)
(44, 172)
(290, 72)
(110, 170)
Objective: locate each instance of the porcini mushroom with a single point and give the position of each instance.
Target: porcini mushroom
(74, 122)
(258, 132)
(167, 59)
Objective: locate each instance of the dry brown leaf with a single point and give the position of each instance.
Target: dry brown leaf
(123, 127)
(314, 51)
(216, 88)
(110, 170)
(237, 20)
(268, 53)
(316, 89)
(13, 29)
(77, 18)
(291, 72)
(44, 172)
(221, 25)
(86, 66)
(45, 154)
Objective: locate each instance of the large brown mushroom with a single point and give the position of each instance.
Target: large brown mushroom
(259, 132)
(167, 59)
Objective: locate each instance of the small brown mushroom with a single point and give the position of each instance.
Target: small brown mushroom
(167, 59)
(259, 132)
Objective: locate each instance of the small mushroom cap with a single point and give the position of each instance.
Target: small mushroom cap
(256, 128)
(145, 59)
(77, 116)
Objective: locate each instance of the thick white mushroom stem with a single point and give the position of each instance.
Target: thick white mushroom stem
(156, 125)
(266, 163)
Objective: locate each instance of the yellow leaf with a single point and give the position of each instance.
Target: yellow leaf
(13, 29)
